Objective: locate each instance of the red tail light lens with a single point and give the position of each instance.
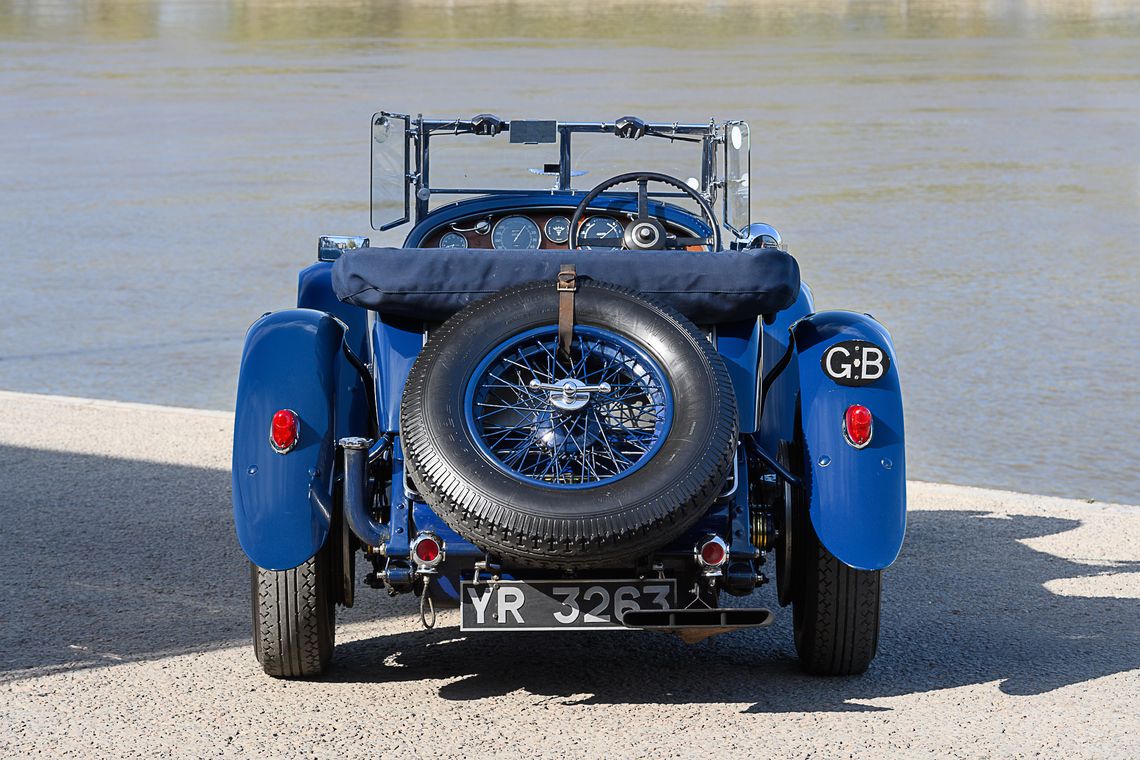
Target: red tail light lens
(713, 552)
(284, 430)
(426, 550)
(857, 425)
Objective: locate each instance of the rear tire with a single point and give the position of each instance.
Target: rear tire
(836, 610)
(294, 617)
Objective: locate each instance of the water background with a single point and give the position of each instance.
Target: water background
(968, 172)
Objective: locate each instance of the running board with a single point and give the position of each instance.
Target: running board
(697, 624)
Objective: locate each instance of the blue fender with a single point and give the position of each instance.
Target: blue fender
(291, 360)
(857, 496)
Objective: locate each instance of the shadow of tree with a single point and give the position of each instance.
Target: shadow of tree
(965, 604)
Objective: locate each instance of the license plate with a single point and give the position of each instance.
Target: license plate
(558, 605)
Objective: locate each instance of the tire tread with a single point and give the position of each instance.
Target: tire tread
(837, 623)
(293, 618)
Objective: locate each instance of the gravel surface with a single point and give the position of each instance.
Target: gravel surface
(1010, 628)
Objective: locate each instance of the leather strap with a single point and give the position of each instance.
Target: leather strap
(567, 286)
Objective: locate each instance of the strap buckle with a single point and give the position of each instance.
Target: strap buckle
(567, 278)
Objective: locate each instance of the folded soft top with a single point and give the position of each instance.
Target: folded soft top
(434, 283)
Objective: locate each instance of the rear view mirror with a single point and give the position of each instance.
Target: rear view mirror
(391, 151)
(737, 193)
(330, 247)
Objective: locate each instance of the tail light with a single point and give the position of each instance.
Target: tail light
(712, 553)
(858, 425)
(284, 430)
(427, 550)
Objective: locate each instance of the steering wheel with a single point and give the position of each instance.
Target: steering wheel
(645, 232)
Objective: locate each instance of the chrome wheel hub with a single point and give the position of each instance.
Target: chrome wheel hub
(569, 395)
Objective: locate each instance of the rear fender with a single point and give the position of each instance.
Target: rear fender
(857, 496)
(282, 502)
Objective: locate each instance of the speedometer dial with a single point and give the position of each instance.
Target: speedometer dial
(514, 232)
(597, 228)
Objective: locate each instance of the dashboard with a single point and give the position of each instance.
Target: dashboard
(523, 229)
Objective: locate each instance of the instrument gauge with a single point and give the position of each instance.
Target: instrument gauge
(515, 232)
(600, 228)
(453, 240)
(557, 229)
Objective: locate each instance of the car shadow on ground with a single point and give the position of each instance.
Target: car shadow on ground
(112, 560)
(965, 604)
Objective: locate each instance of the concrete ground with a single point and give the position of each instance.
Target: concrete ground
(1010, 628)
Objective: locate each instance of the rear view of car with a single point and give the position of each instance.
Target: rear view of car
(607, 418)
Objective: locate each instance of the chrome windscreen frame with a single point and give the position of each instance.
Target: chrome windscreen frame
(420, 131)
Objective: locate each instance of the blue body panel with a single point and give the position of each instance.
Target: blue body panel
(315, 291)
(739, 343)
(291, 360)
(857, 496)
(778, 417)
(395, 344)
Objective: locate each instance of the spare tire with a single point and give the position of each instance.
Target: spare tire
(586, 461)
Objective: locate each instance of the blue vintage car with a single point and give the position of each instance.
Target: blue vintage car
(565, 408)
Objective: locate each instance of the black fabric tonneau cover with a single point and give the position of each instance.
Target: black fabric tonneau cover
(434, 283)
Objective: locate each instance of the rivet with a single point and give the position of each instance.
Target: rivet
(252, 469)
(887, 464)
(824, 461)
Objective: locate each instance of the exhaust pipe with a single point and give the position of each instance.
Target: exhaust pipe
(371, 533)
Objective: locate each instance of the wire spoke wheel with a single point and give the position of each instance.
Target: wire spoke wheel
(575, 419)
